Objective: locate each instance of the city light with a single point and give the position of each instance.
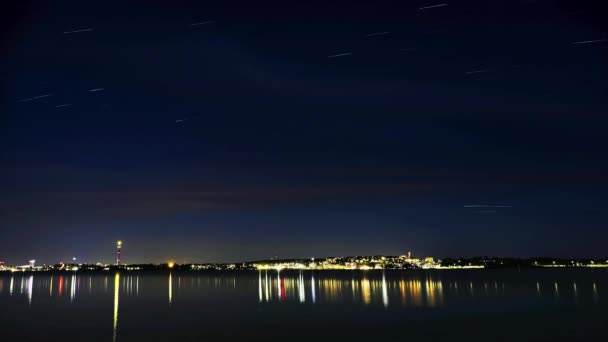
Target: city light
(364, 263)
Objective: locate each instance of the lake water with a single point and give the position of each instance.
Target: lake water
(475, 305)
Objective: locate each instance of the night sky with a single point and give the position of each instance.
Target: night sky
(231, 131)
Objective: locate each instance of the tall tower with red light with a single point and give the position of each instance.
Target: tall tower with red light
(118, 249)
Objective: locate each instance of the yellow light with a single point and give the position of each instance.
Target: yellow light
(119, 243)
(116, 294)
(171, 264)
(170, 288)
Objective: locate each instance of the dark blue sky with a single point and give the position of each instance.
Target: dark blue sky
(476, 128)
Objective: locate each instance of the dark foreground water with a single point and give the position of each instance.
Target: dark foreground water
(476, 305)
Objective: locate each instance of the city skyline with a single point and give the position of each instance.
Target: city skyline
(211, 131)
(276, 260)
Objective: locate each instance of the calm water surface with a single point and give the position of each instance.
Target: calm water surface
(476, 305)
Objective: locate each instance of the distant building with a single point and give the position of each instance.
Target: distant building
(118, 251)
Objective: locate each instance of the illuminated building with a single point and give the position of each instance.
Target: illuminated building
(118, 249)
(32, 263)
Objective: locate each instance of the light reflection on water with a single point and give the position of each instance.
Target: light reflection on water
(170, 288)
(116, 302)
(380, 289)
(314, 287)
(595, 293)
(73, 288)
(30, 284)
(301, 288)
(384, 291)
(364, 290)
(372, 288)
